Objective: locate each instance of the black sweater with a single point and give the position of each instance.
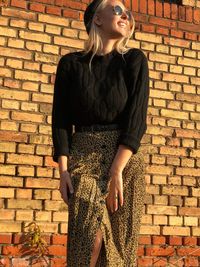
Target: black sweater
(116, 91)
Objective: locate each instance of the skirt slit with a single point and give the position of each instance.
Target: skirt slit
(91, 156)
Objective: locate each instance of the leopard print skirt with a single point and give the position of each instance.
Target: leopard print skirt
(91, 156)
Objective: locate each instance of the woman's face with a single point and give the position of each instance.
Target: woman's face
(113, 26)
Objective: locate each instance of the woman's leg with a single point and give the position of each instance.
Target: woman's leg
(96, 248)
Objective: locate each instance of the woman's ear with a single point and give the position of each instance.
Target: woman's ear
(98, 20)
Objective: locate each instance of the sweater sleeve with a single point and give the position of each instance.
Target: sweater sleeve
(61, 124)
(136, 111)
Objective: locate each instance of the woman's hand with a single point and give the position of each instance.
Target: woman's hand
(65, 186)
(115, 189)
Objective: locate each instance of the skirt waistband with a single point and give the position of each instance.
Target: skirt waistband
(96, 127)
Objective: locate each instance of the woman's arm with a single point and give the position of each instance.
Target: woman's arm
(135, 113)
(121, 158)
(61, 123)
(63, 163)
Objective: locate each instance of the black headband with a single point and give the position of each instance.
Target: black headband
(89, 13)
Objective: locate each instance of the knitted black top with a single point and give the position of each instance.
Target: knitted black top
(116, 91)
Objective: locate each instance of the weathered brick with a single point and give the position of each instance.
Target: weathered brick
(40, 37)
(9, 126)
(31, 76)
(53, 20)
(7, 193)
(7, 215)
(15, 43)
(8, 32)
(55, 205)
(10, 227)
(176, 230)
(24, 215)
(4, 93)
(11, 181)
(41, 183)
(24, 204)
(68, 42)
(23, 193)
(158, 209)
(43, 216)
(25, 171)
(24, 159)
(26, 148)
(42, 194)
(7, 147)
(15, 53)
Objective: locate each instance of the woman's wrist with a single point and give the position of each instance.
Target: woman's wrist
(115, 171)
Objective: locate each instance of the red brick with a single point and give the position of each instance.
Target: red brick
(163, 22)
(186, 251)
(5, 238)
(143, 6)
(167, 10)
(146, 240)
(19, 3)
(151, 7)
(197, 16)
(158, 240)
(176, 33)
(135, 5)
(182, 12)
(189, 241)
(188, 26)
(159, 9)
(144, 262)
(174, 11)
(161, 30)
(53, 10)
(51, 2)
(37, 7)
(174, 240)
(188, 14)
(160, 251)
(191, 36)
(57, 250)
(12, 250)
(59, 240)
(189, 261)
(68, 13)
(58, 262)
(71, 4)
(148, 28)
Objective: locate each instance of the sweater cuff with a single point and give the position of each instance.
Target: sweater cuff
(130, 141)
(57, 154)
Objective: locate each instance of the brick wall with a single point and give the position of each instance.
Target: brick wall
(33, 36)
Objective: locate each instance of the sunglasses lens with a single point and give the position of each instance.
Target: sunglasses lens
(129, 15)
(118, 11)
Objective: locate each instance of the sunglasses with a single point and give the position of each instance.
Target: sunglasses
(117, 10)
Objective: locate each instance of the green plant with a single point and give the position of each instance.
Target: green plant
(33, 243)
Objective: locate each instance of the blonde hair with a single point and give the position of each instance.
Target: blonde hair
(94, 42)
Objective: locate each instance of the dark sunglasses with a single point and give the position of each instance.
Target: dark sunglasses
(117, 10)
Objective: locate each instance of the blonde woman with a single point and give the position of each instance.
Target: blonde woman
(98, 120)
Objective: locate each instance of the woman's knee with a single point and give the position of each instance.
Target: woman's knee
(98, 240)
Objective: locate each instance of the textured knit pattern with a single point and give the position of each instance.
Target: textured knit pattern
(91, 156)
(116, 91)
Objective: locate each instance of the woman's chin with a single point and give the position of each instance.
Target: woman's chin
(119, 33)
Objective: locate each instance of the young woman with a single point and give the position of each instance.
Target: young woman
(98, 120)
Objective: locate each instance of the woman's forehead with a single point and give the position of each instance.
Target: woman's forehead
(116, 2)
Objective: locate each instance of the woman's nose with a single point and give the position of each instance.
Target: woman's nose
(124, 15)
